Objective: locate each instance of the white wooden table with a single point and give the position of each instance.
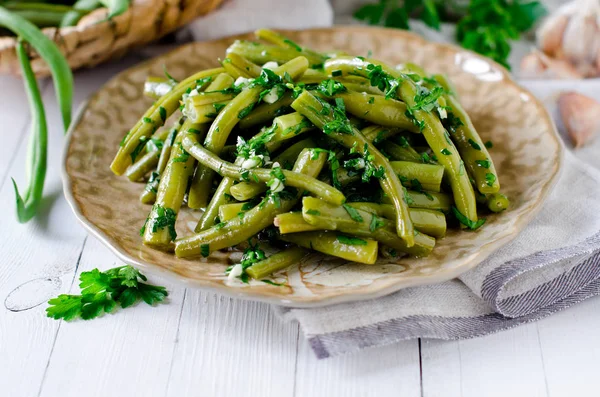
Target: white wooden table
(208, 345)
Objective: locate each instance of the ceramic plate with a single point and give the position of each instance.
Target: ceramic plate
(527, 153)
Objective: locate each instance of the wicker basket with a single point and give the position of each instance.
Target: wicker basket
(96, 39)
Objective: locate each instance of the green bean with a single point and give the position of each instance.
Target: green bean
(276, 262)
(228, 118)
(378, 133)
(196, 195)
(293, 222)
(156, 87)
(233, 70)
(143, 166)
(261, 54)
(148, 195)
(38, 141)
(247, 190)
(419, 175)
(426, 221)
(40, 14)
(280, 40)
(429, 200)
(63, 84)
(399, 153)
(294, 179)
(378, 109)
(115, 7)
(230, 211)
(312, 108)
(362, 224)
(265, 112)
(497, 202)
(252, 69)
(433, 130)
(159, 229)
(240, 229)
(472, 149)
(155, 117)
(332, 243)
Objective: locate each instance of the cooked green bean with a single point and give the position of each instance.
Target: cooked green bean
(400, 153)
(276, 262)
(262, 53)
(250, 68)
(293, 222)
(378, 109)
(335, 244)
(197, 197)
(472, 149)
(433, 130)
(282, 41)
(230, 116)
(497, 202)
(362, 224)
(159, 229)
(426, 221)
(143, 166)
(319, 115)
(419, 176)
(429, 200)
(265, 112)
(294, 179)
(240, 229)
(230, 211)
(155, 117)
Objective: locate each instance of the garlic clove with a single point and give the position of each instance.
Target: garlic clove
(579, 114)
(550, 35)
(537, 65)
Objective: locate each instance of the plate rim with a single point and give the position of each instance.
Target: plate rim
(248, 293)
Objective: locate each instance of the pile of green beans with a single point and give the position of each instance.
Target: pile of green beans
(24, 19)
(296, 151)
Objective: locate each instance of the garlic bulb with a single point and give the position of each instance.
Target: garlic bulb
(579, 114)
(572, 34)
(537, 65)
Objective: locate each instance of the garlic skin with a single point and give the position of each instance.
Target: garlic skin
(579, 114)
(537, 65)
(572, 34)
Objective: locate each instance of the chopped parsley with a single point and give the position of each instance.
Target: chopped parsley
(489, 144)
(351, 240)
(330, 87)
(466, 221)
(354, 214)
(205, 250)
(336, 73)
(446, 152)
(313, 212)
(376, 223)
(163, 113)
(474, 144)
(483, 163)
(164, 218)
(490, 179)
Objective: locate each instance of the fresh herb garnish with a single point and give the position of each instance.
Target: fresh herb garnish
(446, 152)
(376, 223)
(483, 163)
(354, 214)
(489, 144)
(474, 144)
(490, 179)
(313, 212)
(101, 292)
(351, 240)
(205, 250)
(466, 221)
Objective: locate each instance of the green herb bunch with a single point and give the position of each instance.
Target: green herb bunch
(101, 292)
(486, 26)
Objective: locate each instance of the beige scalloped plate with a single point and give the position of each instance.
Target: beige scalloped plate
(527, 153)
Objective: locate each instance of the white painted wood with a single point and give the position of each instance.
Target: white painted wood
(229, 347)
(508, 363)
(383, 371)
(125, 351)
(570, 350)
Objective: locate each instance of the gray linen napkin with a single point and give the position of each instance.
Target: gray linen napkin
(552, 264)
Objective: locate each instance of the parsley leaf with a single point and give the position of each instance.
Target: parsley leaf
(466, 221)
(101, 292)
(376, 223)
(490, 179)
(351, 240)
(354, 214)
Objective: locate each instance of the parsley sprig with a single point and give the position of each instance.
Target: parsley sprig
(486, 26)
(102, 292)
